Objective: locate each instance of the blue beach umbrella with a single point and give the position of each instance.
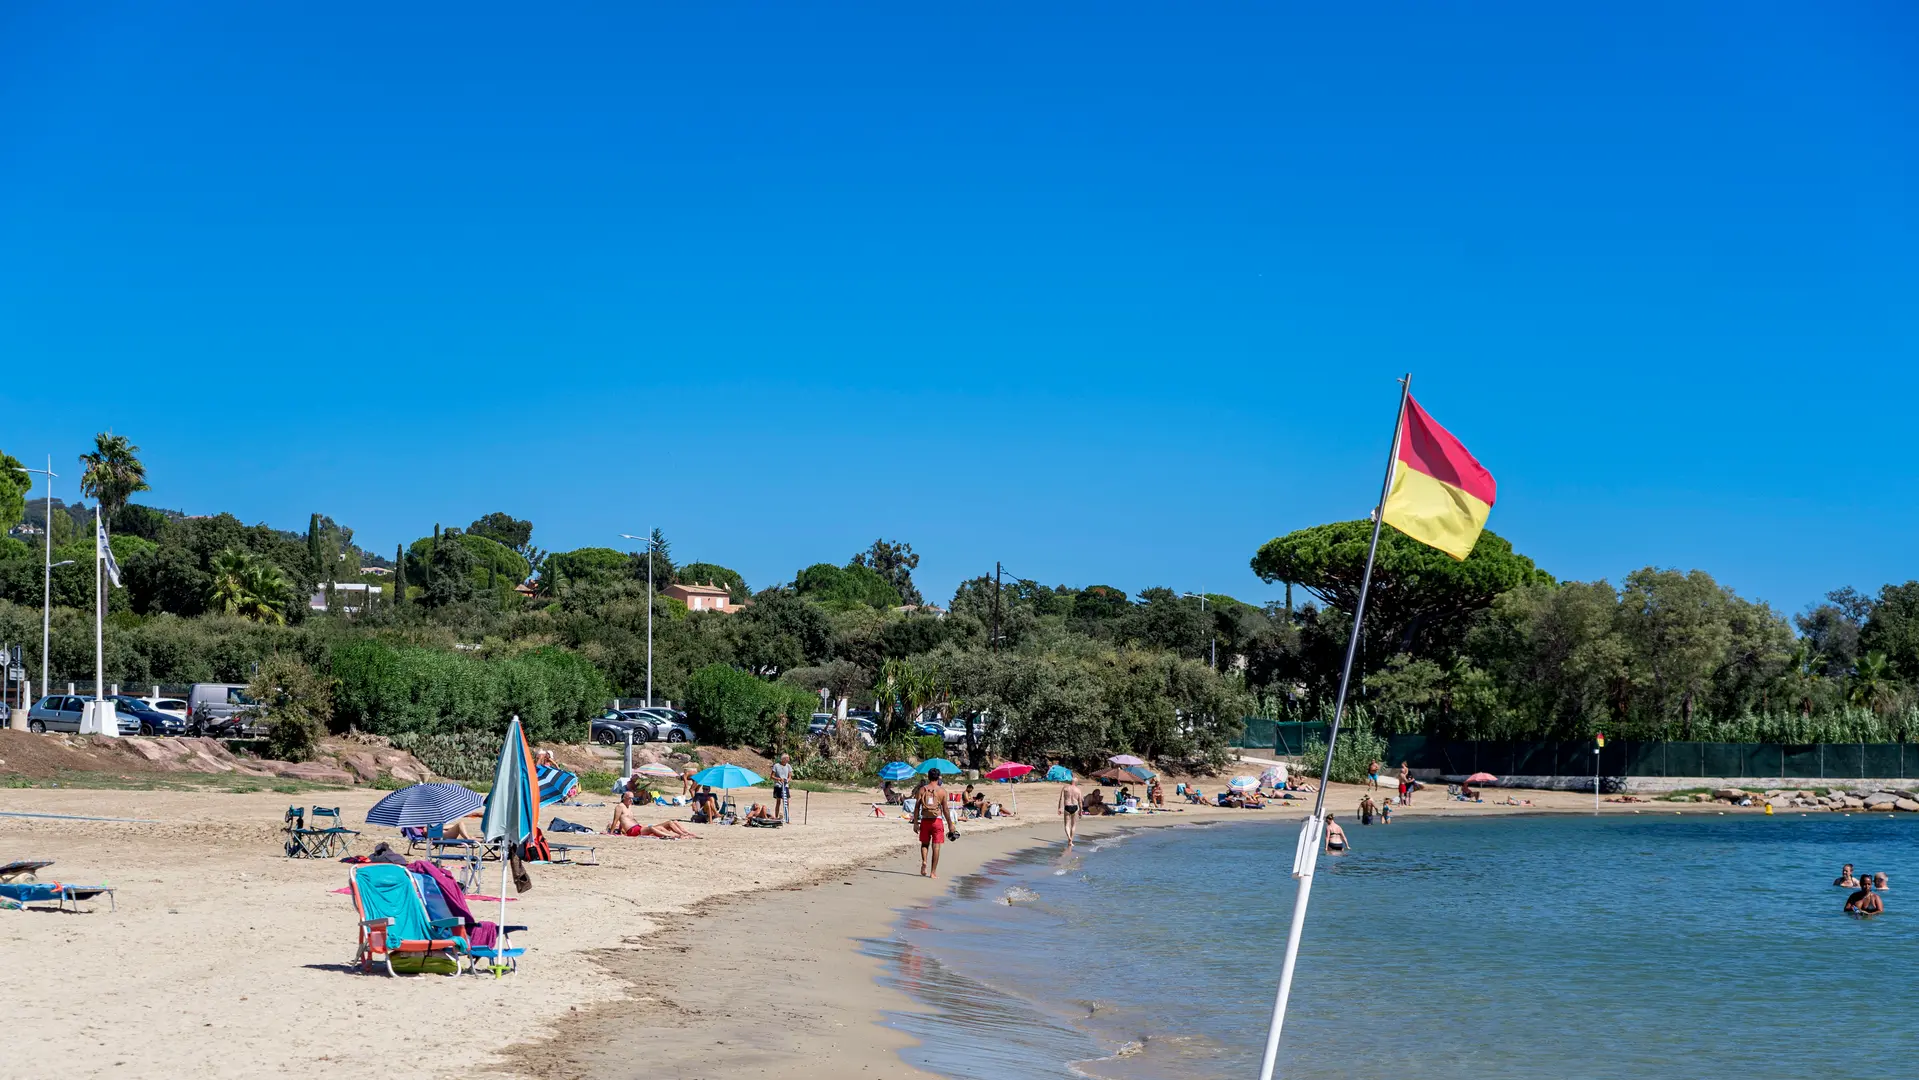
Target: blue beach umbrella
(727, 777)
(895, 770)
(513, 806)
(945, 767)
(425, 804)
(1141, 771)
(1059, 774)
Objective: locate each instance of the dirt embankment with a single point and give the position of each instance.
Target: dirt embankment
(339, 761)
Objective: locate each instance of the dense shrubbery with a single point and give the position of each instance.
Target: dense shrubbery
(394, 689)
(729, 706)
(471, 755)
(296, 702)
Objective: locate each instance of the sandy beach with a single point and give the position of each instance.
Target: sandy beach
(733, 955)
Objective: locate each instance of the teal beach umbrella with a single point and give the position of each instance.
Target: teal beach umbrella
(513, 806)
(945, 767)
(1059, 774)
(895, 770)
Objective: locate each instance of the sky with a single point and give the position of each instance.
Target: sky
(1111, 293)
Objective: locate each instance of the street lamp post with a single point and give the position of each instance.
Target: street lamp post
(648, 540)
(46, 598)
(1201, 597)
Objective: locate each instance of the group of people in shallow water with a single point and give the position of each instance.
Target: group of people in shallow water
(1865, 899)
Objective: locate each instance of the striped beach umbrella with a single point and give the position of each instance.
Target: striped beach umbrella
(425, 804)
(513, 806)
(895, 770)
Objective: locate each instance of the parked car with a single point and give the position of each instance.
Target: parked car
(62, 712)
(611, 729)
(670, 726)
(222, 710)
(152, 720)
(169, 705)
(822, 724)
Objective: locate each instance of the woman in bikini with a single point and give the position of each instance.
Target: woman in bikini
(1069, 799)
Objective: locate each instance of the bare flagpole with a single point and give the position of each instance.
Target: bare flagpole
(1306, 855)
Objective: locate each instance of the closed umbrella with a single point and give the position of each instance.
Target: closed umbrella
(1124, 759)
(513, 806)
(895, 770)
(1060, 774)
(425, 804)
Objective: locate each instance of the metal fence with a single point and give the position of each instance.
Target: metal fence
(1621, 757)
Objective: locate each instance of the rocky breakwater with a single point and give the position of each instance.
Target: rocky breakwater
(1870, 800)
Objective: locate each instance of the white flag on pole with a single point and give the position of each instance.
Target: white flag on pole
(104, 550)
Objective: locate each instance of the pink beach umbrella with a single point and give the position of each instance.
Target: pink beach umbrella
(1482, 778)
(1007, 770)
(1124, 759)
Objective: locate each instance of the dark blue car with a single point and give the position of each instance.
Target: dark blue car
(152, 720)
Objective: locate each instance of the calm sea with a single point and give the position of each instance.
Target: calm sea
(1566, 947)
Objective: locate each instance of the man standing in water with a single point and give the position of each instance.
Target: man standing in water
(1069, 807)
(934, 815)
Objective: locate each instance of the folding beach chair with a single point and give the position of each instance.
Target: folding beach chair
(394, 922)
(335, 839)
(485, 940)
(302, 842)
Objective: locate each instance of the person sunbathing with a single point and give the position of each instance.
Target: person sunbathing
(706, 806)
(756, 812)
(1194, 795)
(665, 830)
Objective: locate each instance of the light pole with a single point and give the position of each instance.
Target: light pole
(648, 541)
(1201, 597)
(46, 598)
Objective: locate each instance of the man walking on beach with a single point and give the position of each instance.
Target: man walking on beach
(934, 816)
(1372, 774)
(1069, 797)
(783, 787)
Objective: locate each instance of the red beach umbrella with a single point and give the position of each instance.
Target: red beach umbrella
(1482, 778)
(1007, 770)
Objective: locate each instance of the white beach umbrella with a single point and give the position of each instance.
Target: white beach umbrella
(1243, 783)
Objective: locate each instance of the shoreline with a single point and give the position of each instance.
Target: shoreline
(776, 982)
(738, 954)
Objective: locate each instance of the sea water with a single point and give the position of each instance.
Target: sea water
(1644, 945)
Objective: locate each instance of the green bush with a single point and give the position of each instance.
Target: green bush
(1359, 746)
(928, 747)
(394, 690)
(295, 702)
(468, 755)
(730, 707)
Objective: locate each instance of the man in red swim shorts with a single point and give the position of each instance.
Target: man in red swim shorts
(934, 815)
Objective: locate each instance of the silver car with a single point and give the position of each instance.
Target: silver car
(62, 712)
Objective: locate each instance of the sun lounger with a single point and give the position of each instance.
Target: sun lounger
(566, 854)
(394, 922)
(23, 868)
(20, 894)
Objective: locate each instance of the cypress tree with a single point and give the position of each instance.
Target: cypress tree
(314, 545)
(399, 574)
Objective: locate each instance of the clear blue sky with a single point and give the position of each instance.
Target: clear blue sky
(1111, 292)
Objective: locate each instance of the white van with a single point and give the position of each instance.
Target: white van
(220, 709)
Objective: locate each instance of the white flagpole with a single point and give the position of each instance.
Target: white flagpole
(1306, 854)
(99, 607)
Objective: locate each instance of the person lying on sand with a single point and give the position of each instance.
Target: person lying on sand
(623, 818)
(456, 830)
(1510, 801)
(756, 812)
(665, 830)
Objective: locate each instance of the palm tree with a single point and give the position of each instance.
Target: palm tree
(249, 586)
(114, 472)
(1870, 681)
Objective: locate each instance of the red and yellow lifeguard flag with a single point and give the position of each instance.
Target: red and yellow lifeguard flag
(1441, 495)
